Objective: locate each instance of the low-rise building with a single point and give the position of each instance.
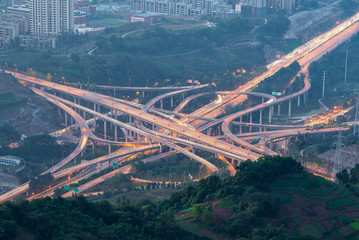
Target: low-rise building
(149, 18)
(37, 41)
(10, 160)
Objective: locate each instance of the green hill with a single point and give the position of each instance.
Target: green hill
(272, 198)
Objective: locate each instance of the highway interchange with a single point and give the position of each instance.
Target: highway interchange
(151, 129)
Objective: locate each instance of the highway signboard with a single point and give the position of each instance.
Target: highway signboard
(67, 188)
(76, 189)
(115, 164)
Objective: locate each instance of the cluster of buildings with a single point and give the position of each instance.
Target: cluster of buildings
(38, 23)
(218, 8)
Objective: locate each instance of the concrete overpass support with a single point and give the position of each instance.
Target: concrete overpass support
(260, 118)
(278, 110)
(109, 148)
(209, 131)
(84, 115)
(171, 101)
(115, 133)
(290, 108)
(271, 145)
(298, 100)
(105, 129)
(285, 146)
(161, 102)
(270, 114)
(66, 119)
(250, 121)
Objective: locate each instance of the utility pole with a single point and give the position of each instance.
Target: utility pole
(338, 164)
(346, 66)
(356, 116)
(324, 76)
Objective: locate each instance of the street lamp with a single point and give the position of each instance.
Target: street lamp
(129, 82)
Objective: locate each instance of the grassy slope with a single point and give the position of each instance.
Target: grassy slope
(310, 205)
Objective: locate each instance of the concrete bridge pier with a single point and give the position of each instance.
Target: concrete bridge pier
(271, 145)
(250, 121)
(161, 102)
(260, 118)
(285, 146)
(84, 115)
(171, 101)
(105, 129)
(298, 100)
(278, 110)
(209, 131)
(65, 119)
(109, 148)
(271, 109)
(290, 108)
(115, 132)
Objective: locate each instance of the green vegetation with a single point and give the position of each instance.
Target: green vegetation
(8, 134)
(337, 93)
(40, 183)
(278, 81)
(39, 152)
(272, 198)
(79, 219)
(172, 168)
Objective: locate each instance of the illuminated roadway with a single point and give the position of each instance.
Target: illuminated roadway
(304, 54)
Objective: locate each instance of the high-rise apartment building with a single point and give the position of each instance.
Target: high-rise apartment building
(52, 17)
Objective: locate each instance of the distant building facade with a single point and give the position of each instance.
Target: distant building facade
(52, 17)
(275, 6)
(253, 8)
(183, 7)
(12, 25)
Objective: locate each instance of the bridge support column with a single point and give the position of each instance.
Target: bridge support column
(143, 94)
(105, 129)
(285, 146)
(278, 110)
(209, 131)
(298, 100)
(115, 132)
(290, 108)
(109, 149)
(72, 121)
(182, 96)
(260, 118)
(270, 114)
(271, 145)
(66, 119)
(250, 121)
(84, 115)
(161, 102)
(172, 101)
